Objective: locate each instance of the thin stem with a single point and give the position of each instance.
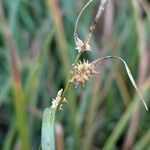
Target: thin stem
(86, 41)
(101, 10)
(76, 24)
(101, 59)
(68, 83)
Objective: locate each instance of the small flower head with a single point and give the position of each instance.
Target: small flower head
(81, 72)
(81, 46)
(55, 102)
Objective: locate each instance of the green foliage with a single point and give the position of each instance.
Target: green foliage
(98, 114)
(47, 135)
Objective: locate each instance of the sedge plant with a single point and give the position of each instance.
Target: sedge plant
(80, 73)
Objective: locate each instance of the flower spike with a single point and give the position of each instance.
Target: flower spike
(55, 102)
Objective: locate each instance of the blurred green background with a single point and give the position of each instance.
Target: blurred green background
(36, 55)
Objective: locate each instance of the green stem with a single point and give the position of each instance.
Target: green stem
(68, 83)
(86, 41)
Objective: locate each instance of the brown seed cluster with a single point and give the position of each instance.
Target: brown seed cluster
(81, 72)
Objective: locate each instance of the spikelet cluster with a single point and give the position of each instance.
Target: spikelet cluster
(56, 101)
(81, 72)
(81, 46)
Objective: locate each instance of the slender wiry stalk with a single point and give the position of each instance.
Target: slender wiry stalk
(119, 129)
(86, 41)
(77, 20)
(101, 10)
(101, 59)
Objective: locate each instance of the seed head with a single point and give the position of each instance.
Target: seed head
(81, 72)
(56, 101)
(81, 46)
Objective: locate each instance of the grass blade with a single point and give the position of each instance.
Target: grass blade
(143, 142)
(118, 130)
(48, 136)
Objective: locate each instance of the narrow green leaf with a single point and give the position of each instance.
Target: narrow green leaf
(9, 137)
(48, 136)
(120, 127)
(143, 142)
(118, 130)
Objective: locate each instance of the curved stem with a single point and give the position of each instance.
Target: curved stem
(101, 59)
(76, 24)
(86, 41)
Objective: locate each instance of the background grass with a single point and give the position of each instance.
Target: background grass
(35, 60)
